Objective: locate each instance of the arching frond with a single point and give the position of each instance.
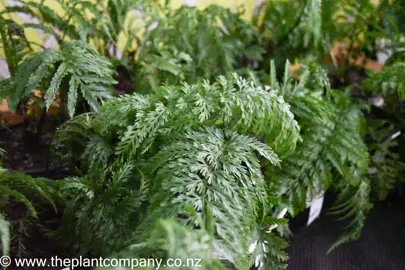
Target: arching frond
(332, 153)
(389, 82)
(199, 144)
(102, 206)
(87, 73)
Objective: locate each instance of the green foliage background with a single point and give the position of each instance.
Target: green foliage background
(217, 137)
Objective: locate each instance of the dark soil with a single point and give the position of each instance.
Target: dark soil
(125, 81)
(27, 150)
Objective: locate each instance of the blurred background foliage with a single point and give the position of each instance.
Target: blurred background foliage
(36, 37)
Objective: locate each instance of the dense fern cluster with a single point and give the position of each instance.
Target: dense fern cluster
(389, 82)
(289, 30)
(332, 153)
(186, 148)
(386, 132)
(100, 23)
(214, 142)
(189, 44)
(77, 63)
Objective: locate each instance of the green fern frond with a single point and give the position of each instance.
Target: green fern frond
(215, 41)
(199, 146)
(305, 96)
(21, 188)
(47, 17)
(14, 43)
(218, 175)
(390, 81)
(290, 28)
(269, 252)
(110, 205)
(167, 65)
(174, 240)
(267, 249)
(386, 166)
(314, 23)
(16, 185)
(332, 153)
(86, 70)
(353, 203)
(99, 23)
(233, 102)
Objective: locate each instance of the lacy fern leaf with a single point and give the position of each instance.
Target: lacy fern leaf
(199, 146)
(86, 71)
(108, 203)
(190, 44)
(216, 173)
(174, 240)
(230, 102)
(332, 153)
(391, 81)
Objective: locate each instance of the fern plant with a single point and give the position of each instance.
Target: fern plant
(214, 41)
(298, 30)
(186, 167)
(210, 172)
(17, 188)
(179, 241)
(386, 165)
(185, 147)
(77, 63)
(389, 83)
(290, 30)
(188, 44)
(98, 23)
(332, 153)
(228, 102)
(386, 131)
(111, 203)
(14, 43)
(22, 189)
